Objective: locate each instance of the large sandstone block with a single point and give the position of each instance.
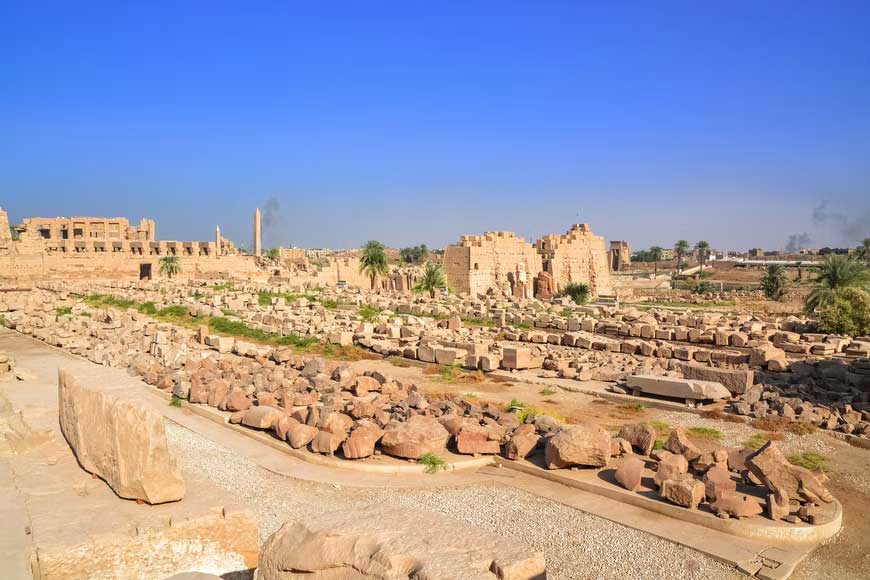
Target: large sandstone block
(381, 543)
(415, 437)
(677, 388)
(516, 358)
(771, 467)
(580, 445)
(119, 440)
(736, 381)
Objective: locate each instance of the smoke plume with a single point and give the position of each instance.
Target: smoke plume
(797, 242)
(849, 229)
(271, 221)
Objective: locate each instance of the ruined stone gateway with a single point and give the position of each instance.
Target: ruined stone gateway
(502, 263)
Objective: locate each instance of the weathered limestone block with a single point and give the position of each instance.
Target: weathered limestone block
(718, 480)
(641, 436)
(580, 445)
(362, 440)
(522, 442)
(736, 381)
(677, 388)
(119, 440)
(671, 466)
(474, 439)
(679, 443)
(415, 437)
(770, 466)
(736, 505)
(685, 491)
(630, 473)
(516, 358)
(379, 543)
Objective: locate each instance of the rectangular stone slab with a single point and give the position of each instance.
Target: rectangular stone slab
(118, 439)
(677, 388)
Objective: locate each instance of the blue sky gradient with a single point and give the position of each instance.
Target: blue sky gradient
(741, 122)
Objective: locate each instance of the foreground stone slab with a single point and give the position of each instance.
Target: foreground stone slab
(736, 381)
(122, 442)
(770, 466)
(381, 543)
(580, 445)
(677, 388)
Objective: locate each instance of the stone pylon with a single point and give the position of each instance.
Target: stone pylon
(258, 249)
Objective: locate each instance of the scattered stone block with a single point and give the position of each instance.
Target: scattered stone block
(121, 441)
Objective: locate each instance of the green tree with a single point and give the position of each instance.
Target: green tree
(863, 251)
(836, 273)
(681, 248)
(414, 254)
(774, 281)
(170, 266)
(273, 253)
(703, 248)
(14, 233)
(373, 262)
(656, 254)
(849, 313)
(431, 280)
(578, 291)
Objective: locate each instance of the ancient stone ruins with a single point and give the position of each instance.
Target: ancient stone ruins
(312, 370)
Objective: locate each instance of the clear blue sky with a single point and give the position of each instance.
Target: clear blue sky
(416, 122)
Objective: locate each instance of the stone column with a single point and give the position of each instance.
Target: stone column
(258, 250)
(217, 241)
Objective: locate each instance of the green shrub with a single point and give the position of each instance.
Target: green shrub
(808, 459)
(659, 426)
(705, 432)
(329, 303)
(659, 444)
(148, 308)
(848, 314)
(63, 311)
(578, 291)
(514, 406)
(369, 313)
(547, 391)
(756, 441)
(174, 311)
(703, 287)
(175, 401)
(433, 463)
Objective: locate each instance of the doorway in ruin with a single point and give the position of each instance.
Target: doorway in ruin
(144, 271)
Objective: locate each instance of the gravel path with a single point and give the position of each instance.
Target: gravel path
(577, 545)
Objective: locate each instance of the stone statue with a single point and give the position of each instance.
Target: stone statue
(545, 288)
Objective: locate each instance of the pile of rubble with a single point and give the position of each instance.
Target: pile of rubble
(685, 476)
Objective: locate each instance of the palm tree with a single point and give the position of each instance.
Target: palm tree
(680, 249)
(863, 251)
(836, 273)
(431, 280)
(656, 254)
(774, 281)
(374, 261)
(170, 266)
(578, 291)
(703, 247)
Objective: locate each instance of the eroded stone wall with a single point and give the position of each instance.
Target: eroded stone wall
(577, 256)
(497, 261)
(506, 264)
